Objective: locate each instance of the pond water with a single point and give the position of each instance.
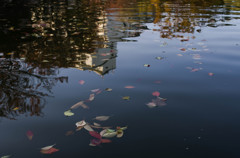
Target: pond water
(166, 70)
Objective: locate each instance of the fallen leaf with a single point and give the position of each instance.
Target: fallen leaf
(95, 90)
(47, 147)
(6, 156)
(68, 113)
(109, 134)
(96, 124)
(49, 151)
(159, 101)
(29, 135)
(210, 74)
(81, 103)
(88, 128)
(91, 97)
(146, 65)
(129, 87)
(108, 89)
(81, 123)
(126, 98)
(102, 118)
(81, 82)
(156, 93)
(16, 108)
(151, 104)
(180, 55)
(183, 49)
(95, 142)
(106, 141)
(159, 58)
(95, 134)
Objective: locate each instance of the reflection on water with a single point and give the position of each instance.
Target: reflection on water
(47, 35)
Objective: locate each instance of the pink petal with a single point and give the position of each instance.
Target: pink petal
(156, 93)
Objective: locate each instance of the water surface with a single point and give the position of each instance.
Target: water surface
(54, 53)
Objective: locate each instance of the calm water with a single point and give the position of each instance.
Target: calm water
(54, 54)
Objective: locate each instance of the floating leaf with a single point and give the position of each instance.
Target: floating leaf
(29, 135)
(159, 58)
(47, 147)
(95, 142)
(81, 103)
(210, 74)
(91, 97)
(109, 134)
(106, 141)
(16, 108)
(183, 49)
(146, 65)
(81, 123)
(88, 128)
(96, 124)
(49, 151)
(6, 156)
(156, 93)
(129, 87)
(151, 104)
(95, 134)
(108, 89)
(159, 101)
(68, 113)
(81, 82)
(126, 98)
(102, 118)
(95, 90)
(180, 55)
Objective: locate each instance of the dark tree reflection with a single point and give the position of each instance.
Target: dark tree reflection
(22, 88)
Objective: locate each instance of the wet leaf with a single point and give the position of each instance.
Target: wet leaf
(47, 147)
(108, 89)
(129, 87)
(68, 113)
(146, 65)
(126, 98)
(96, 124)
(159, 101)
(91, 97)
(81, 103)
(6, 156)
(210, 74)
(183, 49)
(95, 90)
(49, 151)
(106, 141)
(81, 123)
(159, 58)
(29, 135)
(95, 142)
(16, 108)
(95, 134)
(151, 104)
(102, 118)
(88, 128)
(109, 134)
(81, 82)
(156, 93)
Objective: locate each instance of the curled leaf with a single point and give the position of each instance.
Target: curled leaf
(49, 151)
(126, 98)
(81, 123)
(88, 128)
(47, 147)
